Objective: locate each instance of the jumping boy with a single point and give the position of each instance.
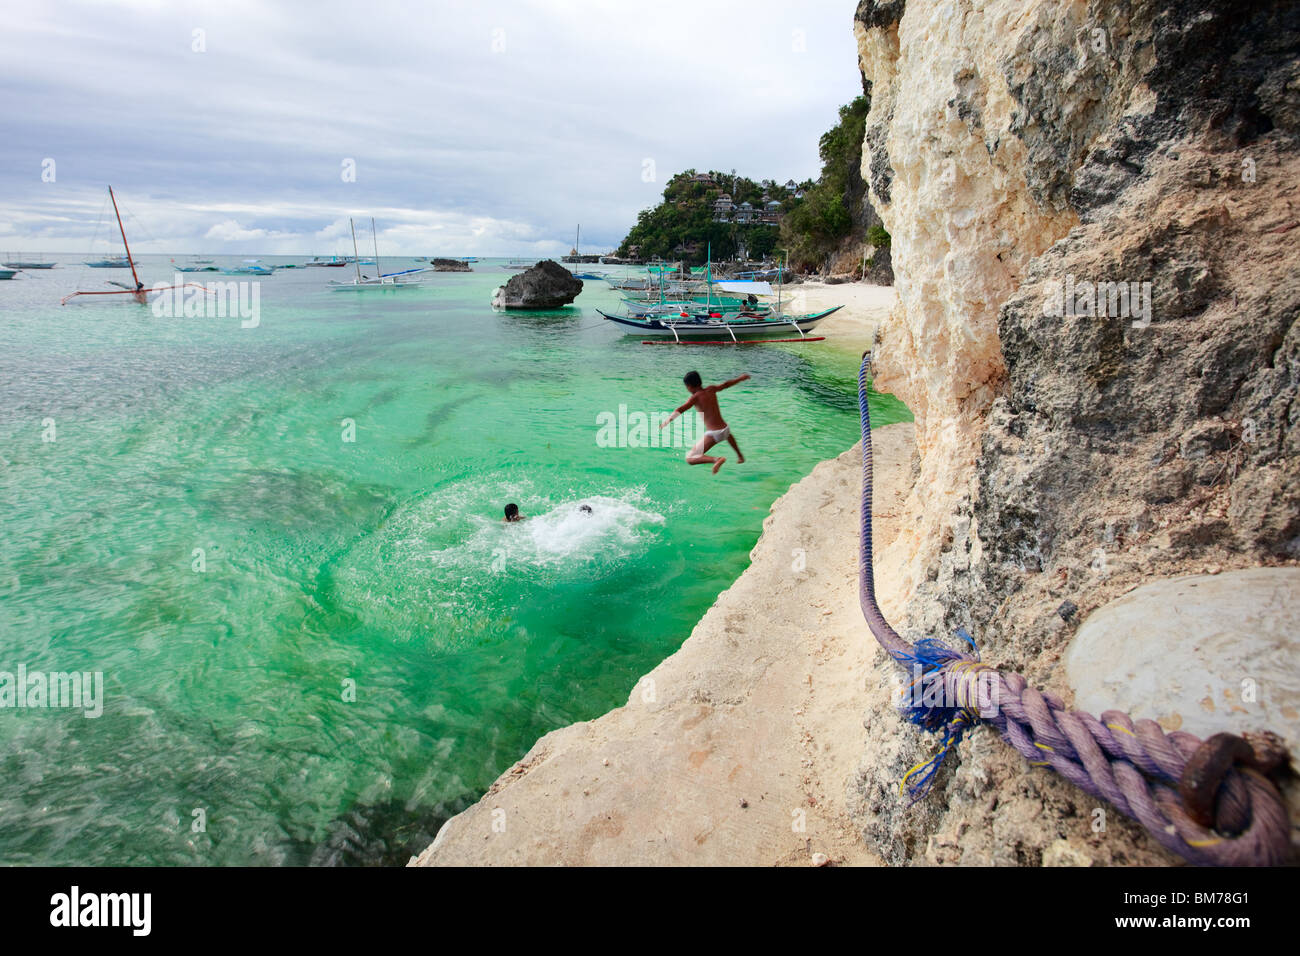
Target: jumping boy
(705, 400)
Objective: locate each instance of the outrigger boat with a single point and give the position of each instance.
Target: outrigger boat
(391, 280)
(112, 262)
(28, 265)
(251, 267)
(137, 290)
(196, 266)
(724, 326)
(629, 283)
(8, 273)
(724, 319)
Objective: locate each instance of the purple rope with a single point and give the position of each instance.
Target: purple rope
(1134, 766)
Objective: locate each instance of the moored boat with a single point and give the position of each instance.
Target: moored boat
(137, 291)
(112, 262)
(198, 265)
(21, 264)
(251, 267)
(715, 325)
(383, 281)
(8, 273)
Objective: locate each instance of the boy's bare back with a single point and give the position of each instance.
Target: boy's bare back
(705, 401)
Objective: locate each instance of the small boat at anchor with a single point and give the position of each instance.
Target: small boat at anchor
(23, 264)
(383, 281)
(198, 265)
(251, 267)
(137, 291)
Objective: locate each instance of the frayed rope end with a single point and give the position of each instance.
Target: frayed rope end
(927, 702)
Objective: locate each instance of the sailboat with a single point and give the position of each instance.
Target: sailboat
(391, 280)
(136, 290)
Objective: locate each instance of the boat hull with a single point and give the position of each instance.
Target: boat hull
(693, 329)
(372, 286)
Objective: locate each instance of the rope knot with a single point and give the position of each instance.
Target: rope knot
(1214, 796)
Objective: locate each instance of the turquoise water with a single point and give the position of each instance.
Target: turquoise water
(200, 531)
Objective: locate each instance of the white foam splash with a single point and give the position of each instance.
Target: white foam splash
(563, 534)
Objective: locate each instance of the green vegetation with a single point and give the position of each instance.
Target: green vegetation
(818, 226)
(878, 236)
(810, 220)
(687, 222)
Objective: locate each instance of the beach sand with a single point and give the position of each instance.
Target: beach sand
(854, 326)
(739, 749)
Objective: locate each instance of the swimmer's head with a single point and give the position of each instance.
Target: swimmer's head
(512, 512)
(585, 508)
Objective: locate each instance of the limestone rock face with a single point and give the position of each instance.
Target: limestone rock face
(880, 269)
(1203, 654)
(1032, 160)
(948, 178)
(547, 285)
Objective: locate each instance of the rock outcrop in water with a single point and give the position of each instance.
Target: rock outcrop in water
(1094, 210)
(547, 285)
(449, 265)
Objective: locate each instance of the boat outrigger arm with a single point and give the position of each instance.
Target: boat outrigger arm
(137, 291)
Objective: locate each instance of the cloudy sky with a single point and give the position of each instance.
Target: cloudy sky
(481, 127)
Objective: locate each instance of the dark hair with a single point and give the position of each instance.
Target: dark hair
(692, 379)
(586, 508)
(512, 510)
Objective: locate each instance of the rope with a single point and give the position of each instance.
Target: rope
(1133, 765)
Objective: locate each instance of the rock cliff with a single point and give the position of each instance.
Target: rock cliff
(1094, 210)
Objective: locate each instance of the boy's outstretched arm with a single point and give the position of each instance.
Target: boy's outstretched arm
(678, 411)
(732, 381)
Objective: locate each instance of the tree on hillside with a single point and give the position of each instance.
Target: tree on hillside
(819, 223)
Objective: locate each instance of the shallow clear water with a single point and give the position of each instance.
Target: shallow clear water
(380, 561)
